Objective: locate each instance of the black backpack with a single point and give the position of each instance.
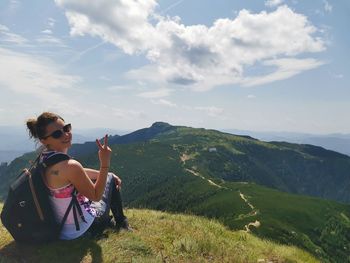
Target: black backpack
(27, 213)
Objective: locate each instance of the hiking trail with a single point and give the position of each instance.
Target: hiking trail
(254, 211)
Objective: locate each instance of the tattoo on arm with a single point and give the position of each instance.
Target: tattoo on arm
(54, 172)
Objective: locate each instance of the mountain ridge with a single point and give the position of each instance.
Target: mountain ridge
(271, 171)
(219, 176)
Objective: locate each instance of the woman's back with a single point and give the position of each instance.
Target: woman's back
(61, 189)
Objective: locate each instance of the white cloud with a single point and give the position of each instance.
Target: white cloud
(155, 93)
(105, 78)
(327, 6)
(50, 25)
(338, 76)
(211, 111)
(14, 4)
(27, 74)
(196, 56)
(164, 103)
(126, 114)
(47, 31)
(51, 22)
(47, 39)
(118, 88)
(285, 68)
(251, 96)
(123, 23)
(7, 36)
(273, 3)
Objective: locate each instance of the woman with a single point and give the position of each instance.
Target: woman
(98, 190)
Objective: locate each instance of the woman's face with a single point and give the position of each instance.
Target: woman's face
(60, 144)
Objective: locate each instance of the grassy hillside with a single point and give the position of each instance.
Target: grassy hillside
(157, 237)
(156, 175)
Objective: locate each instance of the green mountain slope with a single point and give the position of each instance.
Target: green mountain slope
(216, 175)
(155, 176)
(294, 168)
(301, 169)
(157, 237)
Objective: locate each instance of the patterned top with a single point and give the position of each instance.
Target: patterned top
(66, 192)
(60, 199)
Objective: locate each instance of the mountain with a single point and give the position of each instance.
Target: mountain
(140, 135)
(158, 237)
(7, 156)
(294, 168)
(16, 141)
(335, 142)
(230, 178)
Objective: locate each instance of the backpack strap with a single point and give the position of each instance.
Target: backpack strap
(74, 204)
(52, 158)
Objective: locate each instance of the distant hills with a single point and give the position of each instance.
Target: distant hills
(15, 140)
(237, 180)
(336, 142)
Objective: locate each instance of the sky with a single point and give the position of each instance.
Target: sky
(273, 65)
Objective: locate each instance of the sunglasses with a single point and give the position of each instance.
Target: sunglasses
(58, 133)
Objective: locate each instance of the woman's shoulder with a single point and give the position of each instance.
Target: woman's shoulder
(67, 169)
(66, 164)
(74, 164)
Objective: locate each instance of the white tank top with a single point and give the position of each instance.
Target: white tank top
(60, 199)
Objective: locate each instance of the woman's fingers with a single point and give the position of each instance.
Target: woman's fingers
(106, 140)
(99, 144)
(118, 182)
(105, 143)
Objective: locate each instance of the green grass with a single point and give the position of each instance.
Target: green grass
(157, 237)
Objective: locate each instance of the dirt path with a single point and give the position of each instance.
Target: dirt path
(208, 180)
(253, 213)
(184, 157)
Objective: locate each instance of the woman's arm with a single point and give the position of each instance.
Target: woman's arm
(81, 180)
(92, 173)
(76, 174)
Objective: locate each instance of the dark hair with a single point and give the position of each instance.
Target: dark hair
(37, 126)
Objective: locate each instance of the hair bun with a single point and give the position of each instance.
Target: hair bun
(37, 126)
(31, 125)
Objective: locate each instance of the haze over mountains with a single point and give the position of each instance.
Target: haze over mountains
(15, 140)
(336, 142)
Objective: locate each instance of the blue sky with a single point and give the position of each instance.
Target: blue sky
(272, 65)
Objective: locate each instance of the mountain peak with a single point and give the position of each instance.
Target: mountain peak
(160, 124)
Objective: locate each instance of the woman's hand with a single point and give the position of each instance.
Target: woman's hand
(118, 182)
(104, 152)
